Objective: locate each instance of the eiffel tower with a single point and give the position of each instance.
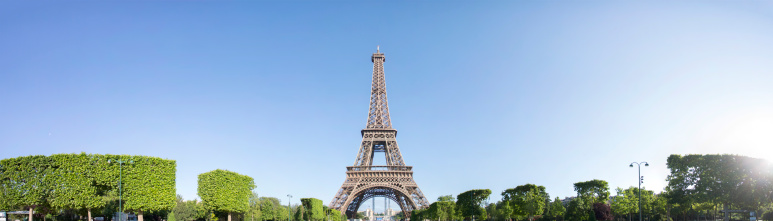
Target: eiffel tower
(365, 180)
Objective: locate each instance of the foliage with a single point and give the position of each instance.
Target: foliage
(269, 208)
(727, 179)
(529, 199)
(602, 211)
(253, 212)
(74, 185)
(313, 209)
(557, 208)
(298, 216)
(503, 211)
(185, 210)
(768, 216)
(442, 210)
(225, 191)
(592, 191)
(171, 217)
(80, 182)
(468, 203)
(577, 210)
(446, 198)
(418, 214)
(26, 181)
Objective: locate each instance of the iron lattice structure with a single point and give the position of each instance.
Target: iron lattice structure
(364, 180)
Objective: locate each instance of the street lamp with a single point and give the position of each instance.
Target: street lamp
(641, 180)
(289, 218)
(120, 177)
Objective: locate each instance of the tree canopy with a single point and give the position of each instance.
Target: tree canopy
(225, 191)
(81, 181)
(592, 191)
(469, 202)
(730, 180)
(529, 199)
(313, 209)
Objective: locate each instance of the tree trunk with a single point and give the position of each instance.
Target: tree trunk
(30, 214)
(726, 207)
(229, 217)
(139, 215)
(89, 210)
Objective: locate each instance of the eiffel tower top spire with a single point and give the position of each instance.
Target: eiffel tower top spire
(378, 114)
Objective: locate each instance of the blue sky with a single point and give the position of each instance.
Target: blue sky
(484, 94)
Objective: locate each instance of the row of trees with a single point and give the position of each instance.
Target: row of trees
(226, 192)
(260, 209)
(699, 186)
(86, 183)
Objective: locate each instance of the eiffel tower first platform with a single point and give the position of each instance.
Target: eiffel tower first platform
(365, 180)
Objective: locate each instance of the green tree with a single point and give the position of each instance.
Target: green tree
(592, 191)
(529, 199)
(148, 183)
(504, 210)
(557, 208)
(225, 191)
(468, 203)
(267, 210)
(577, 210)
(75, 185)
(418, 214)
(253, 212)
(298, 216)
(81, 182)
(281, 212)
(26, 181)
(730, 180)
(313, 209)
(185, 210)
(623, 203)
(442, 210)
(446, 198)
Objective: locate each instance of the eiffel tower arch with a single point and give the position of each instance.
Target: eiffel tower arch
(364, 180)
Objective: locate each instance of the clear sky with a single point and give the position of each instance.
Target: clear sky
(484, 94)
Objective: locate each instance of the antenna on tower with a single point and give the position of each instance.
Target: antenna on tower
(377, 48)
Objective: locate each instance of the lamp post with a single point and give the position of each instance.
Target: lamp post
(120, 177)
(641, 180)
(289, 218)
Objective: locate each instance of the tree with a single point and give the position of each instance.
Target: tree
(267, 210)
(446, 198)
(624, 202)
(529, 199)
(469, 202)
(576, 210)
(729, 180)
(26, 181)
(298, 216)
(225, 191)
(442, 210)
(254, 208)
(505, 211)
(313, 209)
(592, 191)
(418, 214)
(557, 208)
(148, 183)
(75, 185)
(602, 211)
(81, 182)
(185, 210)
